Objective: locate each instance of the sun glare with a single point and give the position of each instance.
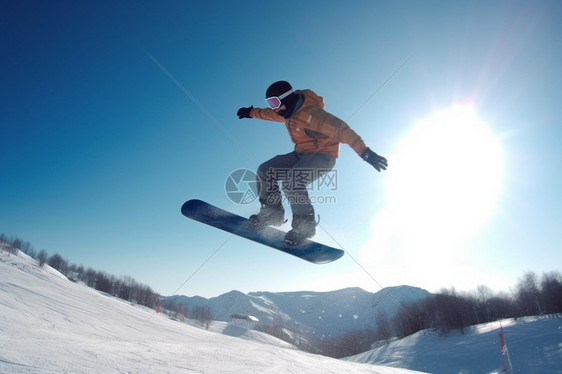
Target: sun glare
(442, 184)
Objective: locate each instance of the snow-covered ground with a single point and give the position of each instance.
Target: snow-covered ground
(51, 325)
(534, 345)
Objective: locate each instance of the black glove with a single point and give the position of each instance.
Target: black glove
(372, 158)
(244, 112)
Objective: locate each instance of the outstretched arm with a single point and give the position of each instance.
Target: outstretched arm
(259, 113)
(330, 125)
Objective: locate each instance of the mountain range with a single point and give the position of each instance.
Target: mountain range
(310, 314)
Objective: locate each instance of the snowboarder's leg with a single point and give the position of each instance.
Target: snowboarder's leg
(269, 174)
(309, 168)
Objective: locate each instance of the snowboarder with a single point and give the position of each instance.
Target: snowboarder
(317, 135)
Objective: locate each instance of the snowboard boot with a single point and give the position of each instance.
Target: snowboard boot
(269, 215)
(304, 227)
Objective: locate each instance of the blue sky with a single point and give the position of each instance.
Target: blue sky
(113, 113)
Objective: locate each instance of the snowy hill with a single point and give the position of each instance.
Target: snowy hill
(50, 325)
(312, 314)
(534, 345)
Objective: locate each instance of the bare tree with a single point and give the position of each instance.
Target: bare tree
(203, 315)
(16, 243)
(528, 295)
(26, 247)
(42, 257)
(383, 330)
(551, 292)
(484, 294)
(58, 263)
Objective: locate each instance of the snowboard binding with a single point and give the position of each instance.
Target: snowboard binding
(269, 215)
(304, 227)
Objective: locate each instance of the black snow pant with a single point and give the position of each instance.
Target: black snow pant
(295, 171)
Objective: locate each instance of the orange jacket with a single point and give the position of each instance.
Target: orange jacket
(312, 129)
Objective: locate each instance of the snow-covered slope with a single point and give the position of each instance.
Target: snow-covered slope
(51, 325)
(534, 345)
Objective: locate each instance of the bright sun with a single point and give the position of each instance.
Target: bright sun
(442, 183)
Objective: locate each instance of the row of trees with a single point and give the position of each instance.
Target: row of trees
(450, 310)
(179, 311)
(125, 287)
(15, 243)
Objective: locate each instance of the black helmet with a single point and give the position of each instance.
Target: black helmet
(284, 92)
(278, 88)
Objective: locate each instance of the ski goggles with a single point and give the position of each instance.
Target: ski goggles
(274, 102)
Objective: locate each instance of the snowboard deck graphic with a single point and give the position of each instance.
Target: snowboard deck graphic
(309, 250)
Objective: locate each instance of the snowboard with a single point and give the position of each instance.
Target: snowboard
(309, 250)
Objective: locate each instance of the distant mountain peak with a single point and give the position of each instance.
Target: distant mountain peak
(318, 313)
